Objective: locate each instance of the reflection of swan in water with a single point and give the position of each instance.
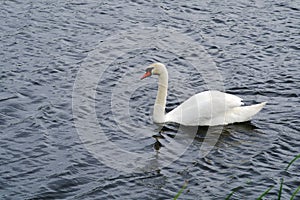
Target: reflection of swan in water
(209, 108)
(220, 133)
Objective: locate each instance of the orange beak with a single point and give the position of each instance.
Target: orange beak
(146, 75)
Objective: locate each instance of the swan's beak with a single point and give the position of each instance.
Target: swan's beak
(146, 75)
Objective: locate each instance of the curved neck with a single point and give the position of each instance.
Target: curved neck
(161, 98)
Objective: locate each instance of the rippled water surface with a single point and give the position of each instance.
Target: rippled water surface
(252, 45)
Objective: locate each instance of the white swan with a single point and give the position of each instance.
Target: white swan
(209, 108)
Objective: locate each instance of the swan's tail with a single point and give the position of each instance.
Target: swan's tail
(243, 113)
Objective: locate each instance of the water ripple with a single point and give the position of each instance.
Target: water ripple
(43, 45)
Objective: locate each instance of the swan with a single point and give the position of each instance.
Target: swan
(209, 108)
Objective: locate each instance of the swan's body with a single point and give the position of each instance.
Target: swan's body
(209, 108)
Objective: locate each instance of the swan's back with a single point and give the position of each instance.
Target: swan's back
(206, 108)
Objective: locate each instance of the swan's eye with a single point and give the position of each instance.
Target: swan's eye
(149, 69)
(148, 72)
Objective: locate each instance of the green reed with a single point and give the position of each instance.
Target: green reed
(270, 188)
(181, 190)
(263, 194)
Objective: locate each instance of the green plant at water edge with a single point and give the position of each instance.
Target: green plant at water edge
(298, 188)
(295, 193)
(181, 190)
(280, 188)
(233, 191)
(265, 193)
(270, 188)
(296, 158)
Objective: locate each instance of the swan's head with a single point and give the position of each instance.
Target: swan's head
(155, 69)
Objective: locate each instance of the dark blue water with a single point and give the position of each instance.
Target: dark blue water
(45, 154)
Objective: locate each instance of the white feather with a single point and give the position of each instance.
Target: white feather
(209, 108)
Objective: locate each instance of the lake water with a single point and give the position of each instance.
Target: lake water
(75, 117)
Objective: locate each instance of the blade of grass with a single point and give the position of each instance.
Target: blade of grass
(228, 197)
(280, 189)
(233, 191)
(290, 163)
(265, 193)
(295, 193)
(181, 190)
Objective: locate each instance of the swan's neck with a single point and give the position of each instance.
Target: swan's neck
(161, 98)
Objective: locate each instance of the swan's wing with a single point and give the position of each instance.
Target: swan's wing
(205, 108)
(232, 101)
(243, 113)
